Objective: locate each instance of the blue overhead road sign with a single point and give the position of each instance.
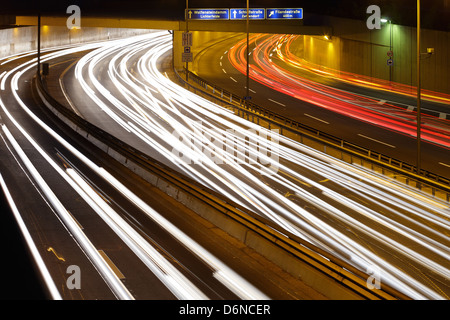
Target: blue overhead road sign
(254, 14)
(208, 14)
(284, 13)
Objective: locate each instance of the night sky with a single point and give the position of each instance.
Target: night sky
(435, 13)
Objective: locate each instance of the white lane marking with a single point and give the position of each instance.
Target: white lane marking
(277, 102)
(315, 118)
(220, 63)
(251, 90)
(31, 244)
(386, 144)
(233, 79)
(444, 164)
(221, 57)
(224, 70)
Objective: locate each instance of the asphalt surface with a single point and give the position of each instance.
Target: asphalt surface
(212, 64)
(60, 250)
(369, 240)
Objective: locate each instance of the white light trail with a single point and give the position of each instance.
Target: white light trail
(172, 278)
(111, 279)
(156, 107)
(159, 113)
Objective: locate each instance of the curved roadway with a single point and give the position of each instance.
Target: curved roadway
(363, 218)
(79, 217)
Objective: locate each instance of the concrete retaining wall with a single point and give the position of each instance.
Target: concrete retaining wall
(356, 49)
(23, 39)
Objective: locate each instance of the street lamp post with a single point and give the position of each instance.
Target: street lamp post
(418, 90)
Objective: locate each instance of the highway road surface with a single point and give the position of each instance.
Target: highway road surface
(97, 231)
(365, 219)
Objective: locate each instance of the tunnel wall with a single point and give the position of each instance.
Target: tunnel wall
(356, 49)
(22, 39)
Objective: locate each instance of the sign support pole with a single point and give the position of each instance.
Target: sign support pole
(39, 45)
(248, 49)
(418, 91)
(187, 30)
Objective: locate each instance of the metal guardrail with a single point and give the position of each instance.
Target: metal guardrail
(404, 172)
(329, 266)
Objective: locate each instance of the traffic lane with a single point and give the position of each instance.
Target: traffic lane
(109, 91)
(94, 227)
(136, 278)
(368, 197)
(253, 267)
(149, 229)
(361, 239)
(195, 269)
(55, 244)
(88, 109)
(363, 134)
(385, 144)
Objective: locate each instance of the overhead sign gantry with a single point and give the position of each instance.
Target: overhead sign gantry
(284, 13)
(241, 14)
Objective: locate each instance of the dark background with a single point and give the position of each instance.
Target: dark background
(435, 13)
